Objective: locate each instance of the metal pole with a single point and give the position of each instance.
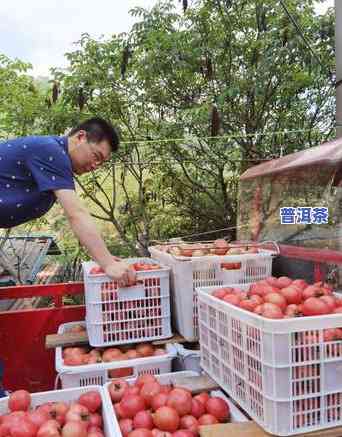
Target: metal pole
(338, 50)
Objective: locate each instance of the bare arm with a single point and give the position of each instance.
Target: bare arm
(85, 230)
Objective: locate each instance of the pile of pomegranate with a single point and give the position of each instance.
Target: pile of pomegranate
(147, 408)
(81, 418)
(279, 298)
(138, 267)
(218, 247)
(78, 356)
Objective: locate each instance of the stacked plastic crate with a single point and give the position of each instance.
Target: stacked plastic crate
(193, 271)
(284, 373)
(119, 317)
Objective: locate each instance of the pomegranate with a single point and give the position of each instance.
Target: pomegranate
(184, 433)
(157, 433)
(143, 419)
(259, 289)
(145, 349)
(117, 389)
(120, 414)
(132, 354)
(75, 360)
(68, 351)
(92, 428)
(331, 334)
(284, 281)
(221, 244)
(20, 400)
(276, 299)
(111, 354)
(74, 428)
(23, 428)
(149, 391)
(166, 419)
(91, 400)
(159, 401)
(228, 290)
(126, 426)
(38, 417)
(233, 299)
(77, 412)
(180, 400)
(51, 428)
(4, 430)
(248, 304)
(292, 310)
(141, 432)
(258, 310)
(96, 354)
(292, 294)
(207, 419)
(300, 283)
(95, 419)
(311, 291)
(197, 408)
(143, 379)
(315, 307)
(95, 433)
(16, 416)
(166, 388)
(202, 397)
(269, 310)
(131, 405)
(219, 408)
(58, 411)
(330, 301)
(219, 293)
(132, 390)
(271, 280)
(190, 423)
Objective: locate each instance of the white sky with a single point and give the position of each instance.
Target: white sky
(41, 31)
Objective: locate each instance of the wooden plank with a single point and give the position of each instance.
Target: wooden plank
(196, 384)
(175, 339)
(73, 339)
(251, 429)
(68, 339)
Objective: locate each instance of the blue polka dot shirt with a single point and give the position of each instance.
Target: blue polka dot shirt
(31, 168)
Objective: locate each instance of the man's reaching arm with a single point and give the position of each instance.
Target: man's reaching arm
(85, 230)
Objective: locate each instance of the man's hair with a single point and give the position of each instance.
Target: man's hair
(97, 130)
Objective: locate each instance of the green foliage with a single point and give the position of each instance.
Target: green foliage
(20, 100)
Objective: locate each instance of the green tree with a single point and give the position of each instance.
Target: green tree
(219, 81)
(20, 99)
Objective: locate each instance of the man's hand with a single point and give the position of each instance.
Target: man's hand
(121, 272)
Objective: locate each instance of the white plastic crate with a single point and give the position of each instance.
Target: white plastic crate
(131, 314)
(79, 376)
(236, 416)
(189, 273)
(70, 395)
(281, 372)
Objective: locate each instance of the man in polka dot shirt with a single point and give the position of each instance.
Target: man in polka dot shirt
(36, 171)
